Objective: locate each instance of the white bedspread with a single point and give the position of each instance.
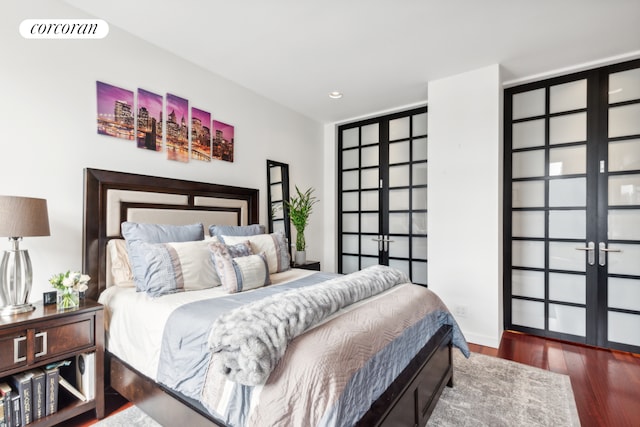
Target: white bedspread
(135, 322)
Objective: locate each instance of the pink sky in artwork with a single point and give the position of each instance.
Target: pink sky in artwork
(227, 130)
(151, 101)
(204, 116)
(178, 105)
(108, 95)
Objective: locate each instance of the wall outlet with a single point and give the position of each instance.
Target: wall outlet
(460, 310)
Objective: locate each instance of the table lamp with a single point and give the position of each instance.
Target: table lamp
(19, 217)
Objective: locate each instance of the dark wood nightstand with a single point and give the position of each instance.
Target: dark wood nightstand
(309, 265)
(46, 335)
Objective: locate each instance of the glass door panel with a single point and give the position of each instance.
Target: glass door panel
(527, 164)
(624, 121)
(624, 155)
(568, 128)
(567, 319)
(527, 283)
(529, 104)
(623, 328)
(382, 170)
(624, 223)
(568, 96)
(528, 134)
(624, 189)
(567, 224)
(624, 86)
(567, 160)
(568, 288)
(572, 223)
(528, 313)
(527, 224)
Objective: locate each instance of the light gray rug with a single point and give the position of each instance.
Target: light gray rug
(487, 391)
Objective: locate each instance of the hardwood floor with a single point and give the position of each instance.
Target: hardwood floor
(606, 384)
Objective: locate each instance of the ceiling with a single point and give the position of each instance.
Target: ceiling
(379, 53)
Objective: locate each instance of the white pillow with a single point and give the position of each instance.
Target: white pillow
(118, 264)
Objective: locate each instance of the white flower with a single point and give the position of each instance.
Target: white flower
(84, 278)
(68, 281)
(82, 287)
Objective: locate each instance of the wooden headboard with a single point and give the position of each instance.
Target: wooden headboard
(111, 198)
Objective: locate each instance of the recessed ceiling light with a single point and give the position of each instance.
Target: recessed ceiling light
(335, 94)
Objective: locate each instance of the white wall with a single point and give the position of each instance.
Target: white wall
(48, 122)
(465, 200)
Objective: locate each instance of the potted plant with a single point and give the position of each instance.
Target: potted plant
(300, 207)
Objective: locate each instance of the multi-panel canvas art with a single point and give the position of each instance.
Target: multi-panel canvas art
(177, 128)
(158, 123)
(149, 124)
(200, 135)
(222, 148)
(115, 111)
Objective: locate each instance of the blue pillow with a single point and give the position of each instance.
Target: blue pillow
(135, 233)
(162, 233)
(236, 230)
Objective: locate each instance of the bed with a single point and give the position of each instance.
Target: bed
(408, 397)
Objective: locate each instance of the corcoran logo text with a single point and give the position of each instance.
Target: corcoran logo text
(64, 28)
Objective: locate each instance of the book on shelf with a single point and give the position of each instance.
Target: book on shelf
(71, 389)
(86, 374)
(38, 393)
(16, 413)
(51, 390)
(21, 383)
(6, 420)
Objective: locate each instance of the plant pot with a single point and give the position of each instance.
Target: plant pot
(301, 257)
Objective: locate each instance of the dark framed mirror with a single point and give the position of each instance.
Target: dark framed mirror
(277, 194)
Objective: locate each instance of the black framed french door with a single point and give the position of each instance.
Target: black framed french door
(572, 207)
(382, 188)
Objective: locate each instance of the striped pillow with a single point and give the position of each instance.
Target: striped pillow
(274, 246)
(240, 273)
(167, 268)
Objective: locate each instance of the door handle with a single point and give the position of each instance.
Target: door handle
(591, 252)
(380, 240)
(602, 256)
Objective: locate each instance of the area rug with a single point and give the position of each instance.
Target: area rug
(487, 391)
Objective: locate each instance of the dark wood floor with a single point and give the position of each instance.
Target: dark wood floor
(606, 384)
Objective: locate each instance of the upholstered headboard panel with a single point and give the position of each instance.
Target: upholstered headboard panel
(113, 197)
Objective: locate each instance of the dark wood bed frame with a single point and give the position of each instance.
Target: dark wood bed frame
(409, 400)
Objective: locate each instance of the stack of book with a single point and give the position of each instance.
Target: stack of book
(27, 396)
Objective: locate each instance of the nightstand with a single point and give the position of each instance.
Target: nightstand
(46, 335)
(309, 265)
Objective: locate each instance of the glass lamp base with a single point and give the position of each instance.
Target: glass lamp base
(16, 309)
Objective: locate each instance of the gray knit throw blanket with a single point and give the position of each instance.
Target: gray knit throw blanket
(250, 340)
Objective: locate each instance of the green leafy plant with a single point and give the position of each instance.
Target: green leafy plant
(300, 207)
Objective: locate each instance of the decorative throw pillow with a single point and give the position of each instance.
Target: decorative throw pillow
(135, 233)
(274, 246)
(241, 273)
(120, 268)
(175, 267)
(236, 230)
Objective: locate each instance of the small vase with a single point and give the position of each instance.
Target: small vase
(301, 257)
(68, 298)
